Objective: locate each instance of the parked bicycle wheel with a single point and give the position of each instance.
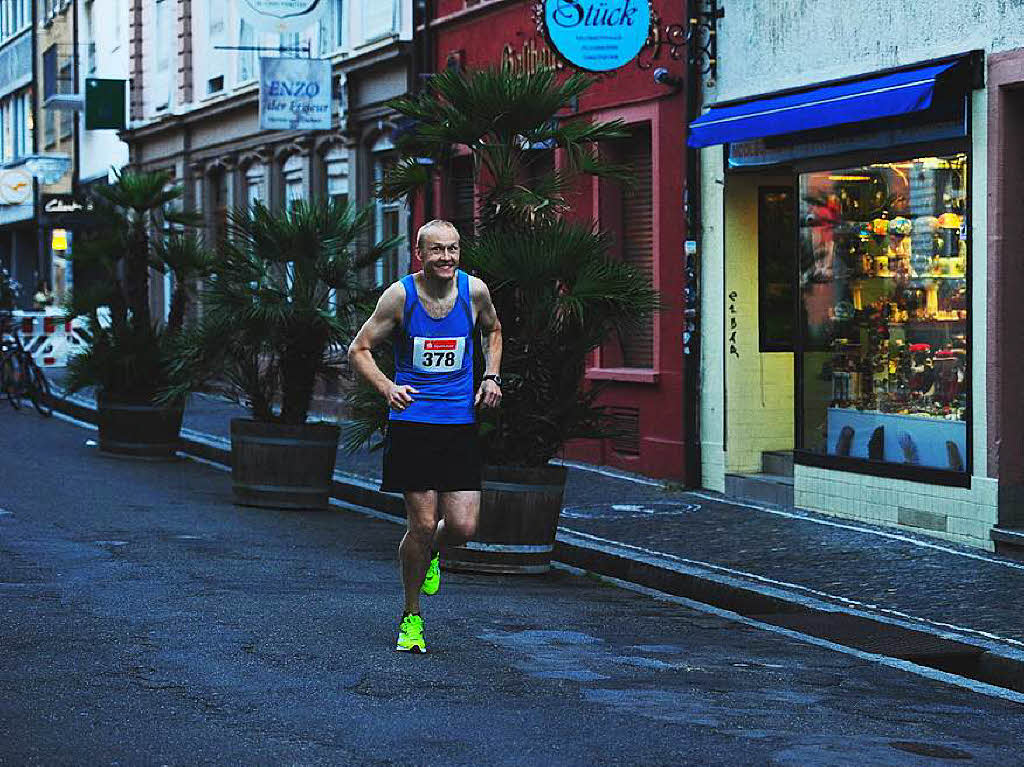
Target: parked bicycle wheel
(9, 379)
(39, 389)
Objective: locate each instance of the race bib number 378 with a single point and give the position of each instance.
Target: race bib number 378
(438, 355)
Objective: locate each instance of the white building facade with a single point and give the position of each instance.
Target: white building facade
(859, 264)
(194, 103)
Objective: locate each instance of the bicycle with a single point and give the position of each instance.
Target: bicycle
(20, 376)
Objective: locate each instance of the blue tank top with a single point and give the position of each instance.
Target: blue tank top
(436, 358)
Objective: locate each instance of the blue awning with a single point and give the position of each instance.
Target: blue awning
(888, 95)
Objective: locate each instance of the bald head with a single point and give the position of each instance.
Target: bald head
(437, 226)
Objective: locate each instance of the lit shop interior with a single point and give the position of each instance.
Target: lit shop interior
(882, 351)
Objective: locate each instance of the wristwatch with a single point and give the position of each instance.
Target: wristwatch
(492, 377)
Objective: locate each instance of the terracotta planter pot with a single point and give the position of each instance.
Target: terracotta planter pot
(138, 428)
(519, 512)
(282, 467)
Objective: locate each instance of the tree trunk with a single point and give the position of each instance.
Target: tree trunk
(136, 273)
(179, 298)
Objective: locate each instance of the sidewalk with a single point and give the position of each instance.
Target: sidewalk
(880, 590)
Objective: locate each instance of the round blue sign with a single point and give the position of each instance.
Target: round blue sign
(597, 35)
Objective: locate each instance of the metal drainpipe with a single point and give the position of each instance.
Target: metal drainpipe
(426, 68)
(692, 202)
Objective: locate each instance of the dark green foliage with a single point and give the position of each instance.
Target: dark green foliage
(557, 291)
(137, 229)
(267, 322)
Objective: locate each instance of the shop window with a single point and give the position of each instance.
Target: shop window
(627, 213)
(776, 266)
(883, 355)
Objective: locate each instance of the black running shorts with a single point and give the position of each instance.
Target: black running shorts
(428, 456)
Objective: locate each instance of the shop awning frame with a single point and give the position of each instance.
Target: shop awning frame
(891, 93)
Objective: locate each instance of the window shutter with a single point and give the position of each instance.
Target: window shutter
(638, 238)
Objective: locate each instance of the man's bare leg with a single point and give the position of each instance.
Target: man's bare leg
(421, 507)
(460, 515)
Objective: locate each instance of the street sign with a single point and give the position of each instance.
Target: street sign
(282, 16)
(104, 104)
(295, 94)
(15, 186)
(597, 35)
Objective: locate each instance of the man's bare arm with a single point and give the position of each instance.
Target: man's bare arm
(489, 393)
(381, 324)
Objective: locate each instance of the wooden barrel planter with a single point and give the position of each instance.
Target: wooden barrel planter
(519, 512)
(279, 466)
(137, 427)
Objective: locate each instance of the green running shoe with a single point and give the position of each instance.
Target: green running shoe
(410, 634)
(432, 580)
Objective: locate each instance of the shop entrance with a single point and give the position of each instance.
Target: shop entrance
(760, 269)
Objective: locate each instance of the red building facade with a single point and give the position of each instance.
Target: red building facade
(644, 374)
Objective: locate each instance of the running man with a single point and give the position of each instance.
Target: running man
(431, 451)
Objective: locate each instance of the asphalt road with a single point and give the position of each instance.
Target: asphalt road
(144, 620)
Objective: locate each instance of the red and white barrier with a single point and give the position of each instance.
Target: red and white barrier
(50, 338)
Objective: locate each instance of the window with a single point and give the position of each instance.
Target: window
(776, 267)
(217, 33)
(256, 183)
(218, 186)
(294, 180)
(246, 58)
(340, 24)
(15, 15)
(883, 358)
(628, 213)
(386, 217)
(380, 19)
(163, 31)
(336, 167)
(20, 131)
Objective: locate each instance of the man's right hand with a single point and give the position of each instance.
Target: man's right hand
(399, 397)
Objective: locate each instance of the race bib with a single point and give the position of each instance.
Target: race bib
(437, 355)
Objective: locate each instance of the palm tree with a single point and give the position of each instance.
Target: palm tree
(282, 290)
(138, 229)
(558, 291)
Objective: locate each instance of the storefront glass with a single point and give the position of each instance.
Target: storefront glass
(883, 350)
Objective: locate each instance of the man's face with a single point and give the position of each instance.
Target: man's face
(440, 253)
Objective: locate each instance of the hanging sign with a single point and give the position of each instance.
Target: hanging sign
(597, 35)
(295, 94)
(282, 16)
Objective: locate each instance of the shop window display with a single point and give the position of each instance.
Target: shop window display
(883, 355)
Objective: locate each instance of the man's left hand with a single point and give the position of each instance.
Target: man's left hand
(488, 395)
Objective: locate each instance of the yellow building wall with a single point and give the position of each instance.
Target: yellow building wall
(759, 386)
(58, 32)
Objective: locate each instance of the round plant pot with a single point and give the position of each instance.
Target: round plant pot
(519, 511)
(137, 428)
(278, 466)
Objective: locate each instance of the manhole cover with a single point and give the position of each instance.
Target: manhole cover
(638, 509)
(930, 749)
